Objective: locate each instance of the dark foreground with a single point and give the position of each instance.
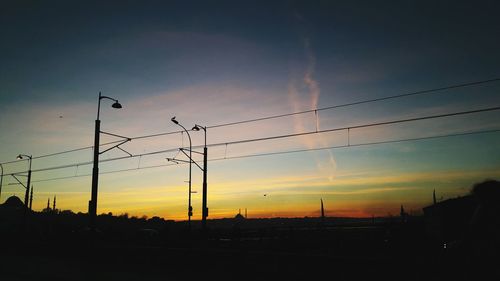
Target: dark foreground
(252, 250)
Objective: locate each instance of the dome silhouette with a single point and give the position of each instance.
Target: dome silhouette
(13, 202)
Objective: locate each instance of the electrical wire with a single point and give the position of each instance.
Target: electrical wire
(276, 137)
(285, 152)
(357, 126)
(423, 92)
(359, 102)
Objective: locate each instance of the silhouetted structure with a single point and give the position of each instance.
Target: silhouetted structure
(322, 211)
(403, 214)
(48, 206)
(484, 232)
(239, 216)
(31, 199)
(468, 229)
(95, 168)
(190, 156)
(204, 208)
(447, 220)
(12, 213)
(434, 197)
(13, 203)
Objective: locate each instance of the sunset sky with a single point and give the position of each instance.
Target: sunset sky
(217, 62)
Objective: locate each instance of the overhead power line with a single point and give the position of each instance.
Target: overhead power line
(423, 92)
(358, 126)
(348, 128)
(281, 153)
(360, 102)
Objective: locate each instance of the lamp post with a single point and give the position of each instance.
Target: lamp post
(26, 196)
(190, 208)
(204, 196)
(95, 169)
(1, 180)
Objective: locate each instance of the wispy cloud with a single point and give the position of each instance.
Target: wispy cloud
(310, 98)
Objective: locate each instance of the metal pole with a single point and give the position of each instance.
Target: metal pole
(190, 209)
(1, 182)
(26, 196)
(31, 199)
(204, 200)
(95, 170)
(95, 177)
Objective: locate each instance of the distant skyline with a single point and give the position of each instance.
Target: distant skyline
(225, 61)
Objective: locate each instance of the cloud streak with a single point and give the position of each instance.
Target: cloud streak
(310, 98)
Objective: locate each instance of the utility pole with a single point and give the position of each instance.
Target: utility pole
(204, 193)
(204, 211)
(28, 183)
(31, 198)
(1, 180)
(95, 167)
(190, 208)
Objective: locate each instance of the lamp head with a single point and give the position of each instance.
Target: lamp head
(19, 157)
(175, 121)
(198, 127)
(116, 105)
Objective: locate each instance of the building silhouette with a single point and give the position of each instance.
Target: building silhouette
(239, 216)
(446, 220)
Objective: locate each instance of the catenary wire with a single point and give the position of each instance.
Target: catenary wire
(286, 152)
(276, 137)
(475, 83)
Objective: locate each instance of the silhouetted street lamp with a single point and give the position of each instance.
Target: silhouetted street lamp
(26, 196)
(1, 181)
(204, 194)
(190, 208)
(95, 169)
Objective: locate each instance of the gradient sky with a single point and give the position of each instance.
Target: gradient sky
(214, 62)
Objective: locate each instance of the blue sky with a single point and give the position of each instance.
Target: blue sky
(225, 61)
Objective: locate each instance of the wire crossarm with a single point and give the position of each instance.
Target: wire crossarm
(125, 139)
(176, 160)
(14, 176)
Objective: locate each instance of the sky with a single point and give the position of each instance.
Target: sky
(218, 62)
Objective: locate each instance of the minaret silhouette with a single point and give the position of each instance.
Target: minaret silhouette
(31, 198)
(54, 204)
(403, 213)
(246, 213)
(322, 210)
(434, 197)
(48, 204)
